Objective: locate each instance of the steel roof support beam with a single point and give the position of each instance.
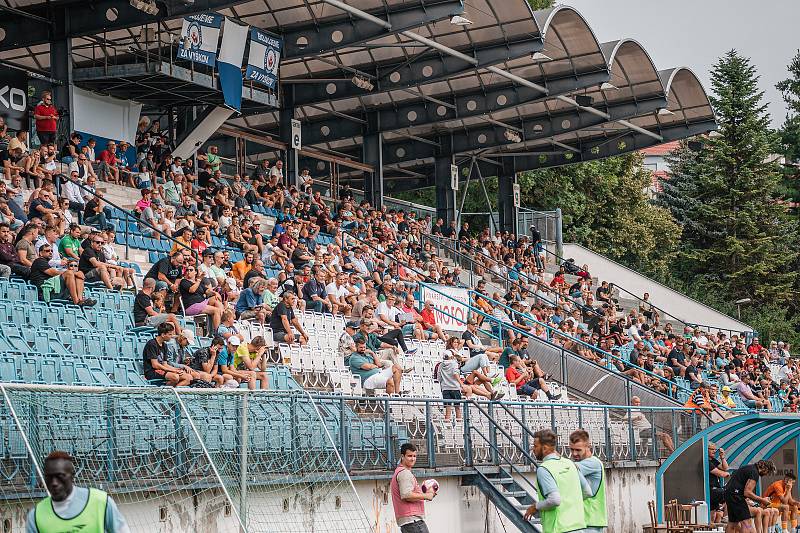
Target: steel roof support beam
(496, 70)
(89, 18)
(591, 150)
(336, 34)
(397, 75)
(533, 127)
(470, 104)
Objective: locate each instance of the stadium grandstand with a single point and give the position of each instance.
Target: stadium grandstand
(212, 306)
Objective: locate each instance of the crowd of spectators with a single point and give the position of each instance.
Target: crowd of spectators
(62, 239)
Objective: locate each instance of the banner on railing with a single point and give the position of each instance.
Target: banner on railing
(450, 315)
(265, 56)
(200, 38)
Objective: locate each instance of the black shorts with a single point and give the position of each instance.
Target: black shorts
(451, 395)
(738, 510)
(717, 498)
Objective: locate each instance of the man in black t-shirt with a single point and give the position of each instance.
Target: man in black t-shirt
(717, 472)
(66, 285)
(168, 270)
(282, 320)
(740, 487)
(93, 263)
(154, 359)
(143, 312)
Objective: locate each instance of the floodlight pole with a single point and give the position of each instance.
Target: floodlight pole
(496, 70)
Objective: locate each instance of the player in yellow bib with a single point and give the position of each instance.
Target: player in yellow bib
(71, 508)
(780, 497)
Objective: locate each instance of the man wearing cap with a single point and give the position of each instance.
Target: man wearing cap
(226, 364)
(346, 343)
(374, 375)
(726, 399)
(200, 364)
(700, 399)
(143, 312)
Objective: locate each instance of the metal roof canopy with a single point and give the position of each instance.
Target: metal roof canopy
(439, 90)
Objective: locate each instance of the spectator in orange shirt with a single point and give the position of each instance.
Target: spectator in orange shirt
(700, 399)
(780, 495)
(240, 268)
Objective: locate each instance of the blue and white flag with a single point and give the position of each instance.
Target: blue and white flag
(229, 66)
(200, 38)
(265, 56)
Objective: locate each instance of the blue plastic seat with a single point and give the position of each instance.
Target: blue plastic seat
(29, 370)
(8, 370)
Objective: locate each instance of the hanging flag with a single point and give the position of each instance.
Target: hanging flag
(229, 64)
(200, 38)
(265, 56)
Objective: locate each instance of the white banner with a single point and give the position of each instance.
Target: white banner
(104, 116)
(451, 305)
(200, 38)
(265, 57)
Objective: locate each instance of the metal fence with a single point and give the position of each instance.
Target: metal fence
(134, 439)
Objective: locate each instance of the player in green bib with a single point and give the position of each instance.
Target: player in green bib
(560, 488)
(71, 508)
(594, 507)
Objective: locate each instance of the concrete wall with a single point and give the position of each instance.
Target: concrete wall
(671, 301)
(457, 509)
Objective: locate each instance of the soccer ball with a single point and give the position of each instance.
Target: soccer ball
(430, 485)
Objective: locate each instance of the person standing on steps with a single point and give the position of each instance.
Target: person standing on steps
(560, 488)
(408, 499)
(72, 508)
(594, 507)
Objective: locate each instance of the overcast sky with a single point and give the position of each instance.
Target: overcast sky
(695, 33)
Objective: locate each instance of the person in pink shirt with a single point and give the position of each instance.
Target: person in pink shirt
(408, 499)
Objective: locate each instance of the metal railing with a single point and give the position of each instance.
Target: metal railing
(469, 263)
(115, 432)
(641, 302)
(608, 358)
(129, 217)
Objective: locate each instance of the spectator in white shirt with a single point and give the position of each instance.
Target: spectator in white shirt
(338, 294)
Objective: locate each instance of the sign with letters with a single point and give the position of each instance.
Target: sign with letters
(297, 138)
(454, 177)
(200, 38)
(264, 59)
(449, 310)
(517, 196)
(14, 98)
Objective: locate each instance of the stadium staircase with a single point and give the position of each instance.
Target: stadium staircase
(508, 488)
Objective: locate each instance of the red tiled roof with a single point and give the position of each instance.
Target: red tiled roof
(661, 149)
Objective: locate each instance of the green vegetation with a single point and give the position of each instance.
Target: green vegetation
(719, 231)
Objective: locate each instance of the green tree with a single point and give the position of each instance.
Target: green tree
(738, 241)
(790, 90)
(790, 131)
(605, 207)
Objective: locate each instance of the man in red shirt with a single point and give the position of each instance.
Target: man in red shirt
(429, 322)
(108, 163)
(755, 347)
(46, 116)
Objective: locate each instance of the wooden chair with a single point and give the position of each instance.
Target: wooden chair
(685, 518)
(672, 517)
(654, 526)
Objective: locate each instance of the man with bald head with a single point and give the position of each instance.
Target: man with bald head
(72, 508)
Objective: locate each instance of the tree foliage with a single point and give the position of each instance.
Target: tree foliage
(605, 208)
(737, 240)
